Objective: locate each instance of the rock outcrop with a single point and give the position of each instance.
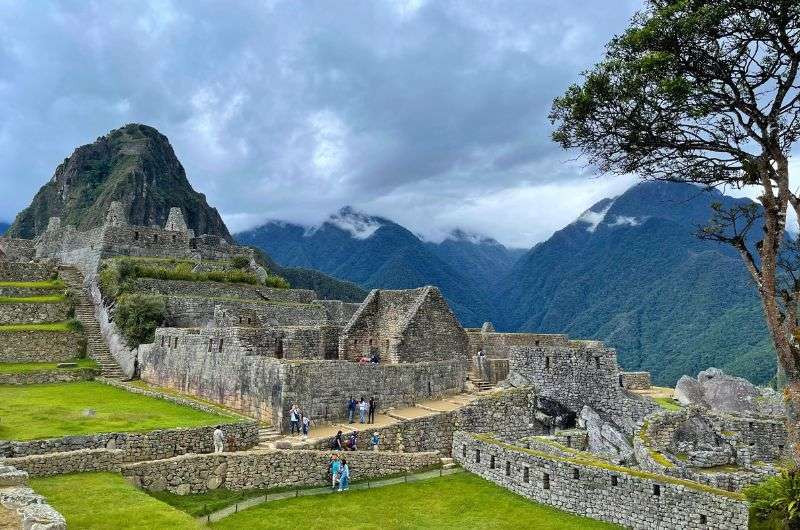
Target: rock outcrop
(714, 389)
(604, 438)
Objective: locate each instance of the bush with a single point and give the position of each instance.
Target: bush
(775, 503)
(240, 262)
(137, 316)
(273, 280)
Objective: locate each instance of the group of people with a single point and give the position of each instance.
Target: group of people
(366, 409)
(373, 359)
(339, 471)
(298, 421)
(351, 444)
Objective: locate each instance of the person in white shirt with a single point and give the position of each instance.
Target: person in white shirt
(363, 408)
(219, 438)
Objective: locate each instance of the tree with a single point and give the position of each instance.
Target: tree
(707, 92)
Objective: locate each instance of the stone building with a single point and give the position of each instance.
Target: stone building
(404, 326)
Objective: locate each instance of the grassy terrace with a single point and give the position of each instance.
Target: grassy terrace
(61, 327)
(456, 501)
(18, 368)
(50, 284)
(38, 299)
(47, 411)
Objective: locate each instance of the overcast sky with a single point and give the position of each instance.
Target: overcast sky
(431, 113)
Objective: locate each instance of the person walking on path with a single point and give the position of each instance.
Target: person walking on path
(351, 409)
(294, 419)
(306, 421)
(376, 440)
(337, 444)
(344, 476)
(335, 466)
(372, 404)
(362, 410)
(219, 438)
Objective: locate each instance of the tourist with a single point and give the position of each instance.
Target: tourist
(351, 409)
(306, 421)
(294, 419)
(372, 404)
(481, 359)
(337, 444)
(344, 476)
(352, 441)
(362, 410)
(334, 467)
(218, 437)
(375, 359)
(376, 440)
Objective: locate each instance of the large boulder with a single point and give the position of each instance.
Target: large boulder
(714, 389)
(604, 437)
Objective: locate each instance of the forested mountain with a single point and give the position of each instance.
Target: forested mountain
(3, 227)
(135, 165)
(631, 272)
(376, 252)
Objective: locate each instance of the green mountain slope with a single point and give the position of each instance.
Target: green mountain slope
(134, 165)
(631, 272)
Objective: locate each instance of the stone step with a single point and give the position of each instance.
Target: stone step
(446, 460)
(451, 465)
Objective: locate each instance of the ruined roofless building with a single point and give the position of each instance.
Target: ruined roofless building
(404, 326)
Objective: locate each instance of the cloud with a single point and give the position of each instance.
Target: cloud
(433, 113)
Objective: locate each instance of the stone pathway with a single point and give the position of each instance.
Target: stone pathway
(363, 485)
(96, 347)
(270, 438)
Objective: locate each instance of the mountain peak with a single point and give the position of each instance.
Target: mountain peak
(460, 235)
(134, 165)
(359, 224)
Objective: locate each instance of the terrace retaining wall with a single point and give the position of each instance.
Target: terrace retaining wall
(40, 346)
(33, 313)
(45, 377)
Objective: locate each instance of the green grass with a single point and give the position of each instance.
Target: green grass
(18, 368)
(455, 501)
(39, 299)
(50, 284)
(60, 327)
(199, 504)
(32, 412)
(667, 403)
(92, 501)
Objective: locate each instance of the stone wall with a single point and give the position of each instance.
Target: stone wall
(615, 494)
(13, 249)
(510, 414)
(242, 291)
(581, 373)
(33, 313)
(498, 345)
(322, 388)
(79, 461)
(11, 271)
(265, 470)
(634, 380)
(17, 496)
(144, 241)
(40, 346)
(136, 446)
(49, 376)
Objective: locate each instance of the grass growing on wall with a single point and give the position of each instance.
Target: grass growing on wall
(455, 501)
(33, 412)
(18, 368)
(94, 501)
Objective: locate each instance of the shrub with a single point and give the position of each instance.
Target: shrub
(240, 262)
(273, 280)
(776, 501)
(137, 316)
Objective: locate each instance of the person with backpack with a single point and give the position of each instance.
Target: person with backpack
(337, 444)
(294, 419)
(351, 409)
(376, 440)
(352, 442)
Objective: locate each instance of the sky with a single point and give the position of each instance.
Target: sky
(432, 113)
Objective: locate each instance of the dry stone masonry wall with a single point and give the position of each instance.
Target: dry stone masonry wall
(632, 499)
(39, 346)
(33, 313)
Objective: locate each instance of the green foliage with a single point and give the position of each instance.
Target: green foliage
(775, 502)
(58, 327)
(138, 315)
(240, 262)
(39, 299)
(45, 285)
(16, 368)
(278, 282)
(667, 403)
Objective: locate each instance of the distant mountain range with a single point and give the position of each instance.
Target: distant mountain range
(628, 271)
(375, 252)
(3, 227)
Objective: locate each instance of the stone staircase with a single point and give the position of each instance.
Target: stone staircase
(447, 463)
(480, 383)
(96, 347)
(267, 437)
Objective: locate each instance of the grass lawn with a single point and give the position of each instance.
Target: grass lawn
(199, 504)
(46, 411)
(18, 368)
(667, 403)
(455, 501)
(51, 284)
(106, 500)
